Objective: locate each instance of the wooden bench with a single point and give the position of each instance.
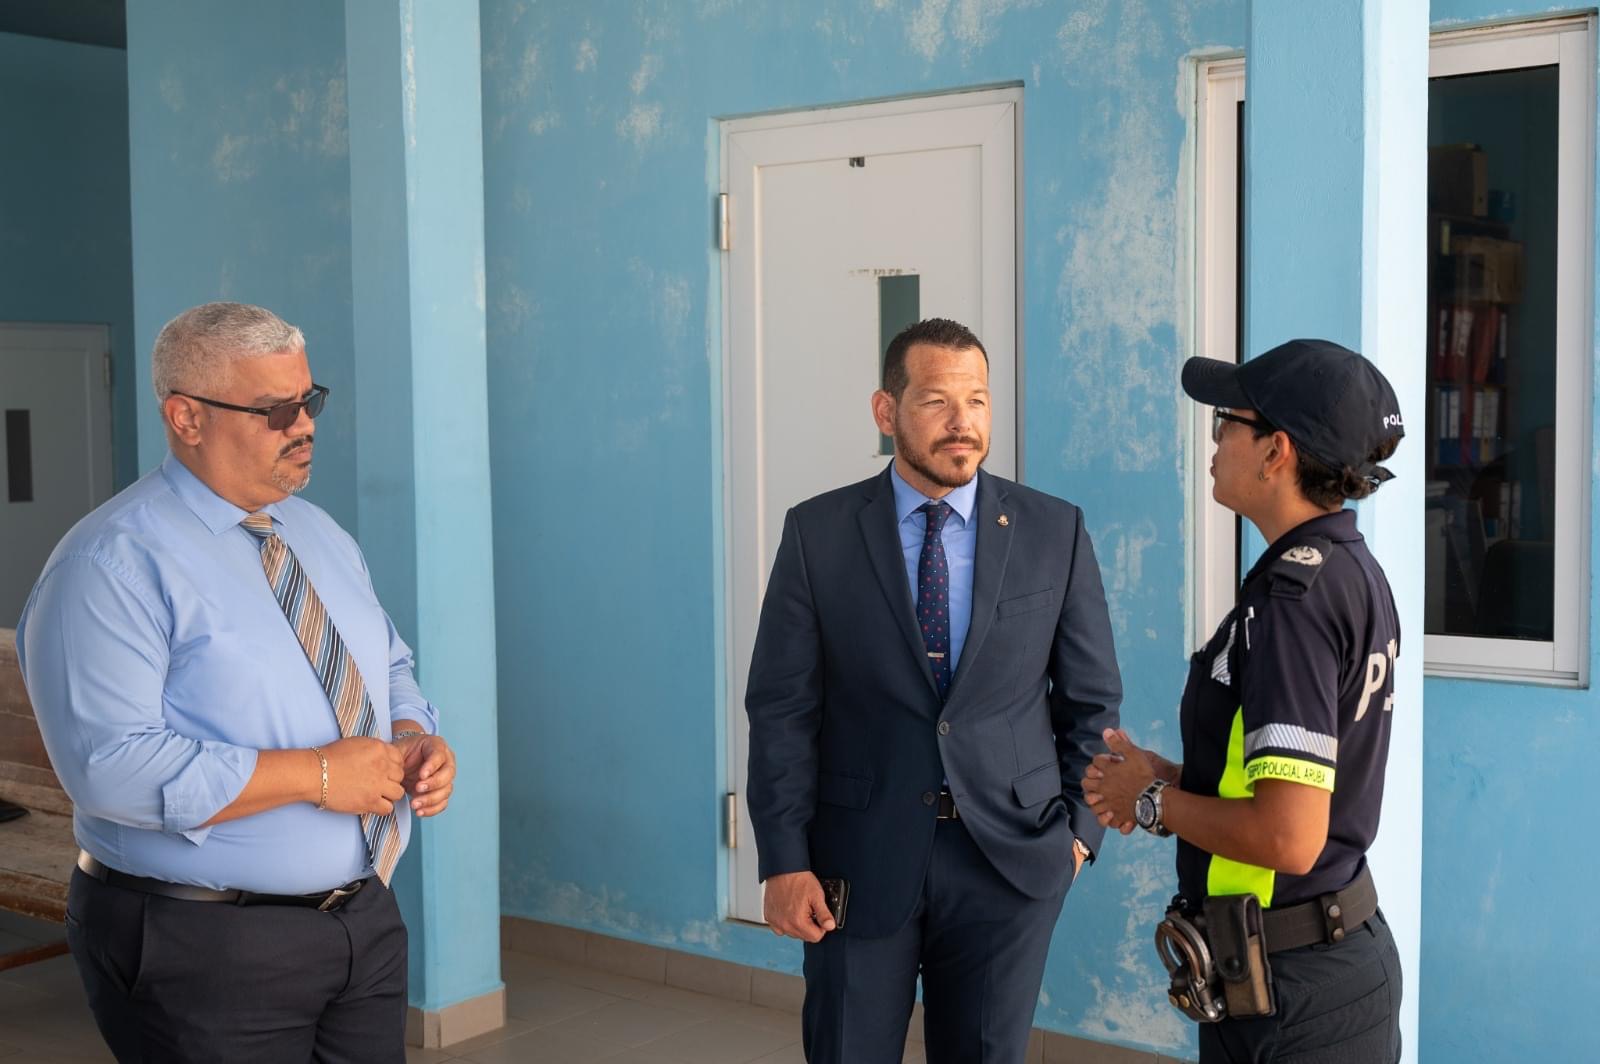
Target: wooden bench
(37, 851)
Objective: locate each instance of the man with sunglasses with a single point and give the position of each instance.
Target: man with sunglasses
(238, 725)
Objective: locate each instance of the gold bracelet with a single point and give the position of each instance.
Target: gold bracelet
(323, 759)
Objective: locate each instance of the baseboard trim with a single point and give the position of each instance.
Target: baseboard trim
(456, 1023)
(757, 986)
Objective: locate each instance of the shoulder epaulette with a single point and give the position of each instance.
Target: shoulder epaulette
(1294, 571)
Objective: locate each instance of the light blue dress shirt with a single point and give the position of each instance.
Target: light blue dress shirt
(960, 538)
(159, 663)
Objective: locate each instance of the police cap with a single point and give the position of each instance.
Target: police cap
(1331, 401)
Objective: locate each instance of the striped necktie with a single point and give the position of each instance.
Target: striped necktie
(331, 659)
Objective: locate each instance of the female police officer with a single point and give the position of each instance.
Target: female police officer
(1275, 934)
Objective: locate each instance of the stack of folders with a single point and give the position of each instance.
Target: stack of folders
(1469, 362)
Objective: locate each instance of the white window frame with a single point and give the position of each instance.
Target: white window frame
(1567, 43)
(1214, 530)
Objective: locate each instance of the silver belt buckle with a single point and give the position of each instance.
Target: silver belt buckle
(337, 894)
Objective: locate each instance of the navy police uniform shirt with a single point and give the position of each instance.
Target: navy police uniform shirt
(1297, 684)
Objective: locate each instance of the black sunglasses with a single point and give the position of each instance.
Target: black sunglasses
(1220, 414)
(279, 417)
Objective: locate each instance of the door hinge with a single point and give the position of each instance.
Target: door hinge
(724, 227)
(730, 816)
(105, 361)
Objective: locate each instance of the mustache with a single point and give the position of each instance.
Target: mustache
(296, 444)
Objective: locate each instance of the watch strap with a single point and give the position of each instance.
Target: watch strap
(1153, 794)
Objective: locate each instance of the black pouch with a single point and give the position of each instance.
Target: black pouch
(1239, 953)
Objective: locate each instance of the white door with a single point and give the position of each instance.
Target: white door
(55, 444)
(845, 226)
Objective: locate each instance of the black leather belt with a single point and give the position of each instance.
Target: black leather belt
(324, 902)
(947, 807)
(1327, 919)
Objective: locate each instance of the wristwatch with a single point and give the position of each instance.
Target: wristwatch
(1147, 809)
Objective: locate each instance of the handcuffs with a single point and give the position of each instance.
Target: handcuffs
(1217, 958)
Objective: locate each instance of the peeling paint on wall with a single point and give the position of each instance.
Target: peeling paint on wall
(1115, 290)
(408, 51)
(1121, 552)
(925, 28)
(972, 23)
(1130, 996)
(518, 87)
(335, 139)
(1135, 1016)
(649, 67)
(642, 122)
(614, 913)
(600, 287)
(514, 308)
(231, 159)
(239, 120)
(171, 88)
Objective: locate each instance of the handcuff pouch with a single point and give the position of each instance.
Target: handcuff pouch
(1238, 944)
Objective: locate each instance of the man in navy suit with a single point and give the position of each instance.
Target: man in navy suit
(931, 676)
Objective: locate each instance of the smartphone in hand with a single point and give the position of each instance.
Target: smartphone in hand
(836, 893)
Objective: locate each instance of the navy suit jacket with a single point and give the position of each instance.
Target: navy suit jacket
(849, 741)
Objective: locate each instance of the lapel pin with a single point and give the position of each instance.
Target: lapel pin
(1003, 520)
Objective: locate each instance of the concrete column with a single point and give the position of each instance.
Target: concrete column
(422, 469)
(1335, 216)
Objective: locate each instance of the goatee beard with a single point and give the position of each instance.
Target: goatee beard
(923, 464)
(291, 484)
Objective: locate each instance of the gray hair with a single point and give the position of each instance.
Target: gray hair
(193, 350)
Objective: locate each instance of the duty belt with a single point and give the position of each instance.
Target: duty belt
(1217, 957)
(1326, 919)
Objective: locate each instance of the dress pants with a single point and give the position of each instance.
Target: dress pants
(186, 981)
(979, 946)
(1337, 1004)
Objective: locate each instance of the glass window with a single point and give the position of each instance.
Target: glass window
(899, 308)
(1491, 417)
(1510, 235)
(1510, 232)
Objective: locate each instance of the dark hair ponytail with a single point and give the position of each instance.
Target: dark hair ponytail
(1331, 488)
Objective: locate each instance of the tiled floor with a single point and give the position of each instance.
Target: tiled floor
(557, 1013)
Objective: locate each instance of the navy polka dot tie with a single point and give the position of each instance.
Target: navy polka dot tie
(933, 594)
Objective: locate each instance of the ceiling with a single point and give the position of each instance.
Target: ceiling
(102, 22)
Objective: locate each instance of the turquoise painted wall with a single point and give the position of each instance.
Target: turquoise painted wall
(600, 159)
(416, 161)
(603, 303)
(241, 190)
(1505, 945)
(242, 184)
(65, 243)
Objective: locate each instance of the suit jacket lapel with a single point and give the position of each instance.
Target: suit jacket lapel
(988, 573)
(880, 531)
